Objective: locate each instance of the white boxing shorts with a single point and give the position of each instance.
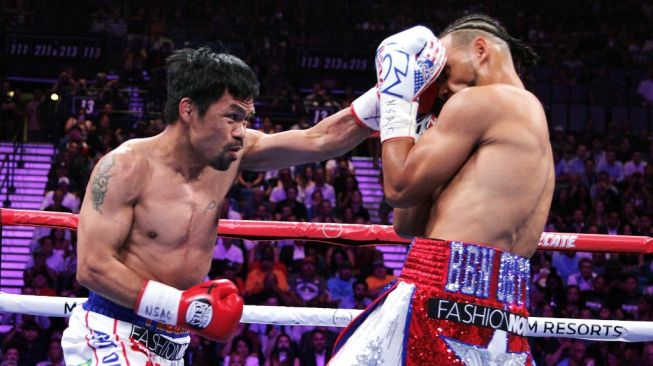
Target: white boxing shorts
(101, 332)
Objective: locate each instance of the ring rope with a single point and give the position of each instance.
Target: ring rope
(589, 329)
(346, 234)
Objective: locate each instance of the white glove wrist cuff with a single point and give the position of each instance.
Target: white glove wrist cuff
(365, 109)
(398, 117)
(159, 302)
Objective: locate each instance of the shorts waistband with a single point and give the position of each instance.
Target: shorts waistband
(466, 271)
(106, 307)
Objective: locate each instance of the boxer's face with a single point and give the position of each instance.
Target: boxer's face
(459, 71)
(219, 136)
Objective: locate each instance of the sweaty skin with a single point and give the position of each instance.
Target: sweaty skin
(482, 174)
(152, 205)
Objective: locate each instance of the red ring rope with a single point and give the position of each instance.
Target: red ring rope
(344, 234)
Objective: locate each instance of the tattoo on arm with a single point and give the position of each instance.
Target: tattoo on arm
(212, 205)
(101, 182)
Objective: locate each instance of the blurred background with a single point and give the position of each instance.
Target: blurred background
(80, 78)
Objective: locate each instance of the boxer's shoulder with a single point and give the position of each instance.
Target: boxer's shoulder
(128, 165)
(490, 101)
(131, 157)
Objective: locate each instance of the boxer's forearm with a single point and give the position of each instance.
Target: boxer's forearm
(396, 173)
(110, 279)
(331, 137)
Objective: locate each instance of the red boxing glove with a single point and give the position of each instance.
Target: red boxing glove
(212, 309)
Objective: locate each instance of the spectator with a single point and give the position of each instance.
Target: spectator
(613, 166)
(57, 202)
(35, 120)
(604, 190)
(318, 354)
(348, 187)
(230, 271)
(338, 170)
(636, 193)
(336, 256)
(242, 350)
(55, 355)
(576, 164)
(248, 182)
(283, 353)
(647, 355)
(11, 355)
(28, 339)
(69, 200)
(325, 212)
(645, 88)
(264, 279)
(631, 296)
(577, 224)
(284, 181)
(308, 288)
(38, 264)
(54, 258)
(561, 166)
(572, 302)
(305, 178)
(320, 184)
(575, 353)
(356, 205)
(292, 203)
(358, 299)
(612, 224)
(565, 263)
(42, 284)
(378, 279)
(227, 211)
(584, 277)
(598, 216)
(589, 176)
(199, 351)
(635, 164)
(341, 285)
(226, 250)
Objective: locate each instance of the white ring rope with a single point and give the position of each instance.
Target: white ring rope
(591, 329)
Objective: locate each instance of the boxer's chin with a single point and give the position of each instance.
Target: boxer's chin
(222, 162)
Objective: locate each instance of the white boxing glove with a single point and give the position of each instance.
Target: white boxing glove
(407, 63)
(365, 109)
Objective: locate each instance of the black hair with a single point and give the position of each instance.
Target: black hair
(203, 76)
(245, 339)
(359, 282)
(522, 54)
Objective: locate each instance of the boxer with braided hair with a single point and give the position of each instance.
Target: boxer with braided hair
(466, 27)
(473, 191)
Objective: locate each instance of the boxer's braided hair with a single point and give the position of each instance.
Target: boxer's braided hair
(522, 55)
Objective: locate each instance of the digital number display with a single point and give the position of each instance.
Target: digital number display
(54, 47)
(334, 59)
(86, 103)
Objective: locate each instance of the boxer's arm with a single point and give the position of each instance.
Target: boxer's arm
(331, 137)
(411, 222)
(413, 171)
(105, 221)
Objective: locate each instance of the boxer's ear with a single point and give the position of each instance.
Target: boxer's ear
(185, 110)
(480, 47)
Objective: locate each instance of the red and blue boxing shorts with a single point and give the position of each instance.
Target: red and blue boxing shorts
(455, 303)
(101, 332)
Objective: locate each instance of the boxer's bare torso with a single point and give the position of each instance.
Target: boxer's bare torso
(151, 207)
(175, 218)
(495, 169)
(502, 193)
